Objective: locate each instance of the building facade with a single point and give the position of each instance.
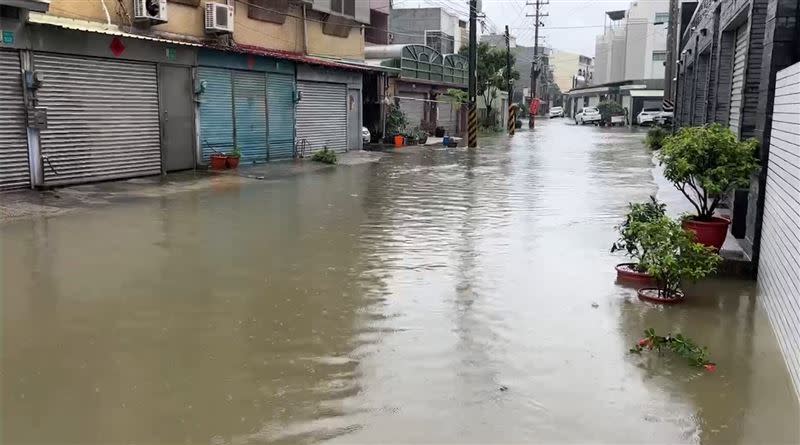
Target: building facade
(571, 70)
(434, 27)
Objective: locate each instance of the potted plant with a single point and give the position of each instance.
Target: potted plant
(671, 256)
(233, 157)
(608, 109)
(325, 156)
(706, 164)
(218, 161)
(630, 239)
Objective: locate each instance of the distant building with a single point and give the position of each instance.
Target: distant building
(433, 27)
(571, 70)
(633, 44)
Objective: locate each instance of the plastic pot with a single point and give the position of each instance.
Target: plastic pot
(399, 141)
(218, 162)
(233, 161)
(628, 272)
(710, 233)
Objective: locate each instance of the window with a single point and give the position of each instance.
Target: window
(9, 12)
(336, 6)
(273, 11)
(661, 17)
(659, 56)
(349, 8)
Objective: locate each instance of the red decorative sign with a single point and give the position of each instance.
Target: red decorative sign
(534, 106)
(117, 47)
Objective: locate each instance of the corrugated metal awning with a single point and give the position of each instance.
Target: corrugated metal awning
(100, 28)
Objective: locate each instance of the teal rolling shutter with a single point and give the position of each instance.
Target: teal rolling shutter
(216, 112)
(280, 101)
(250, 105)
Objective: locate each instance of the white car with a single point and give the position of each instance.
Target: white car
(588, 115)
(556, 112)
(648, 116)
(365, 136)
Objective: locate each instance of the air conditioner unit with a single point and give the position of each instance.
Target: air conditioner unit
(153, 11)
(219, 18)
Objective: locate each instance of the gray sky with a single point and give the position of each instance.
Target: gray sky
(583, 14)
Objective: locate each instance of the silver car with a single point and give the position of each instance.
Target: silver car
(588, 115)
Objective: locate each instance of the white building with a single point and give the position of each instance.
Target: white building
(633, 44)
(435, 27)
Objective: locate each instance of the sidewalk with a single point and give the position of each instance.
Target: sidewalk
(47, 203)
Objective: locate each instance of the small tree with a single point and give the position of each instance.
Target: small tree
(609, 108)
(492, 72)
(396, 121)
(671, 255)
(706, 164)
(630, 231)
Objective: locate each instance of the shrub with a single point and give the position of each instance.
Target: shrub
(396, 120)
(609, 108)
(684, 346)
(655, 137)
(325, 156)
(671, 255)
(707, 163)
(631, 229)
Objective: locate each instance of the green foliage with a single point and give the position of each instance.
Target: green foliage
(491, 71)
(670, 254)
(655, 137)
(683, 346)
(609, 108)
(236, 153)
(325, 156)
(630, 231)
(707, 163)
(396, 120)
(456, 97)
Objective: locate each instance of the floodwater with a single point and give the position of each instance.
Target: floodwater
(437, 296)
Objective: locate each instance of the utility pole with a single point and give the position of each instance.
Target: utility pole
(535, 69)
(472, 119)
(512, 111)
(672, 47)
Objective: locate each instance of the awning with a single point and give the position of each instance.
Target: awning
(30, 5)
(100, 28)
(297, 57)
(647, 93)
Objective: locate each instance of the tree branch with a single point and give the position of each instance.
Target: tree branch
(682, 189)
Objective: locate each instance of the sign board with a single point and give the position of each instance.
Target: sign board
(8, 37)
(172, 54)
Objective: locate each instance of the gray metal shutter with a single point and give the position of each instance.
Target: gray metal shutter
(102, 119)
(413, 105)
(779, 264)
(14, 172)
(322, 115)
(250, 108)
(448, 118)
(280, 114)
(737, 81)
(216, 112)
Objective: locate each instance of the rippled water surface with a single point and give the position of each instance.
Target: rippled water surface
(435, 296)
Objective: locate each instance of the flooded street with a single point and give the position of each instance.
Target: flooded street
(436, 296)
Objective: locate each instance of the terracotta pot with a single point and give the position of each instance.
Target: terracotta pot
(708, 233)
(218, 162)
(652, 295)
(628, 272)
(233, 161)
(399, 141)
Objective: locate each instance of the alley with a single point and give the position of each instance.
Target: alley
(437, 295)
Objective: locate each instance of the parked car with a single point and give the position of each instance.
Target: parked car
(648, 116)
(556, 112)
(365, 135)
(665, 118)
(588, 115)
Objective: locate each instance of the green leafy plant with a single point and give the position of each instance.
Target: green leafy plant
(683, 346)
(655, 137)
(706, 164)
(396, 120)
(455, 97)
(236, 153)
(670, 255)
(630, 230)
(491, 71)
(325, 156)
(609, 108)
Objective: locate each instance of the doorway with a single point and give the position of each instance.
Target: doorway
(177, 117)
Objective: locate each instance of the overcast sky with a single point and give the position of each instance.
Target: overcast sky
(584, 18)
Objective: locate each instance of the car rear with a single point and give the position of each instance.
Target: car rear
(648, 115)
(556, 112)
(591, 114)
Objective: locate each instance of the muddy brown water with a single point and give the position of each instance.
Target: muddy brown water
(379, 303)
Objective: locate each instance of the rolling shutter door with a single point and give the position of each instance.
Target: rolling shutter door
(448, 118)
(413, 106)
(737, 81)
(280, 109)
(14, 172)
(102, 119)
(322, 115)
(250, 106)
(216, 111)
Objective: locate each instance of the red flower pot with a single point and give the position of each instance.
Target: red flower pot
(218, 162)
(708, 233)
(233, 161)
(628, 272)
(652, 295)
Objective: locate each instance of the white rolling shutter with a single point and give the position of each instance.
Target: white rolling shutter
(14, 171)
(737, 82)
(102, 119)
(322, 116)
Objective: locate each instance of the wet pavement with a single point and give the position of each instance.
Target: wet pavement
(435, 296)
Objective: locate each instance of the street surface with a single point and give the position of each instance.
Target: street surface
(434, 296)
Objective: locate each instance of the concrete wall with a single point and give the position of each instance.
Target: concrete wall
(409, 25)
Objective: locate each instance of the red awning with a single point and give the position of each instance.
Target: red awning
(296, 57)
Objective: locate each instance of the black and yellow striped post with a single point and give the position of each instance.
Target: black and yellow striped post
(512, 119)
(472, 126)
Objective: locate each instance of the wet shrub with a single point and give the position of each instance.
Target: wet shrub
(655, 137)
(609, 108)
(630, 231)
(683, 346)
(325, 156)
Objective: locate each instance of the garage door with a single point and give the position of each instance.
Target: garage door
(448, 118)
(14, 171)
(779, 263)
(250, 114)
(280, 103)
(216, 111)
(102, 119)
(322, 115)
(737, 81)
(413, 105)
